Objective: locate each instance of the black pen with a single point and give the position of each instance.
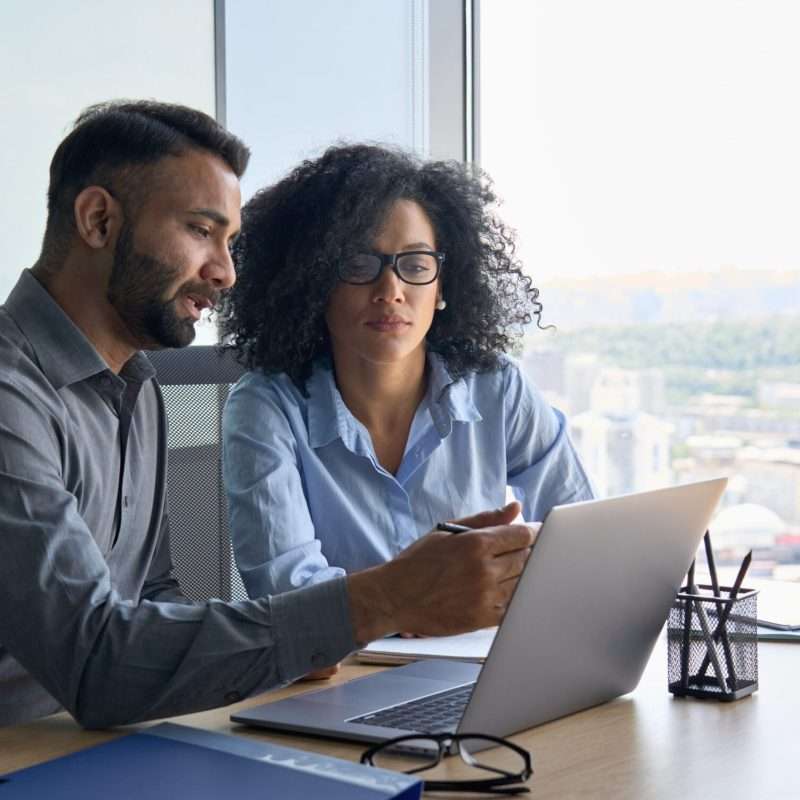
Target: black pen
(726, 645)
(452, 527)
(710, 649)
(687, 630)
(712, 567)
(737, 585)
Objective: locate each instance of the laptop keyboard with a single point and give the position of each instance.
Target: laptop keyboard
(436, 713)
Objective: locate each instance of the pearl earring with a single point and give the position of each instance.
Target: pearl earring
(441, 305)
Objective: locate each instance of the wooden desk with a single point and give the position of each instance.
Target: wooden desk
(644, 745)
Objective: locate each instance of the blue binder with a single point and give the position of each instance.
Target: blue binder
(174, 761)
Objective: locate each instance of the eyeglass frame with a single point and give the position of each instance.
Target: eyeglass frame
(390, 259)
(445, 743)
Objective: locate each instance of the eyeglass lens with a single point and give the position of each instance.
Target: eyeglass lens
(411, 755)
(419, 268)
(417, 755)
(494, 759)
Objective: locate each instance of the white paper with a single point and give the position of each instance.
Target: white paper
(465, 647)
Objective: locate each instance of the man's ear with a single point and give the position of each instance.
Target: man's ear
(98, 217)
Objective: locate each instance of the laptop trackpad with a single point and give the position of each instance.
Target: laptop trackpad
(396, 685)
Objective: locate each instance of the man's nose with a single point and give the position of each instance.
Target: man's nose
(220, 271)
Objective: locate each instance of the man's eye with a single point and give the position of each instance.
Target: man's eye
(201, 231)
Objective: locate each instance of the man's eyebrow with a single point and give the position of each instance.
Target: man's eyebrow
(212, 214)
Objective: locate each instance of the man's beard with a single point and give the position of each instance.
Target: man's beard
(136, 289)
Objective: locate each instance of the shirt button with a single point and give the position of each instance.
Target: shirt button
(318, 659)
(125, 501)
(233, 697)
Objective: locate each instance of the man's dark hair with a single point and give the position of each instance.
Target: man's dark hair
(295, 232)
(111, 142)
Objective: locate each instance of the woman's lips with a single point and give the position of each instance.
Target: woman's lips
(388, 324)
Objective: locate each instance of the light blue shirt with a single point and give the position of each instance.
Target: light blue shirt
(309, 500)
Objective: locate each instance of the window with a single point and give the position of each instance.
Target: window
(647, 155)
(56, 59)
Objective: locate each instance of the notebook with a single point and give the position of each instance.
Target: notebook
(778, 603)
(397, 650)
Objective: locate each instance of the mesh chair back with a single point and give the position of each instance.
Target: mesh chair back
(195, 382)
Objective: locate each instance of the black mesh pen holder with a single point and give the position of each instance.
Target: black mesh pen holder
(712, 648)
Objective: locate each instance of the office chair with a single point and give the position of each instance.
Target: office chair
(195, 382)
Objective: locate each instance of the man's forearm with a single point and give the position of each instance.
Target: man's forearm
(373, 608)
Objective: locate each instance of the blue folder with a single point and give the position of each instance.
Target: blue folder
(174, 761)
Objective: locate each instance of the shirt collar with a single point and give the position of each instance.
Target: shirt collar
(450, 399)
(64, 354)
(329, 418)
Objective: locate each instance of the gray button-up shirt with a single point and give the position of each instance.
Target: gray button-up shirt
(91, 617)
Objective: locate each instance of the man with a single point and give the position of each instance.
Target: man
(143, 205)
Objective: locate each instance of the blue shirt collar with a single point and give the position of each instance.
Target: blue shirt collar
(449, 401)
(328, 416)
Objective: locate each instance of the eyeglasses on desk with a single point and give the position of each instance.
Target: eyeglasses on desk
(510, 764)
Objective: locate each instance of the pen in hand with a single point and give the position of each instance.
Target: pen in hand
(452, 527)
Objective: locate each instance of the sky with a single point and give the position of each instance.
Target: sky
(636, 135)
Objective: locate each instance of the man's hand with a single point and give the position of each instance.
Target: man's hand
(321, 674)
(444, 583)
(487, 519)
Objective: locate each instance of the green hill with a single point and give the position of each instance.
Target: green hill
(718, 357)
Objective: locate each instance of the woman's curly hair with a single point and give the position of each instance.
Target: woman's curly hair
(325, 210)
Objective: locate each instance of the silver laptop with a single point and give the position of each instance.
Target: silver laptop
(579, 630)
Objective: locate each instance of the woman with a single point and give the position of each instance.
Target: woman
(376, 297)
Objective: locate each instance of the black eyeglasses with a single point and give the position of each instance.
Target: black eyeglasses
(510, 763)
(417, 267)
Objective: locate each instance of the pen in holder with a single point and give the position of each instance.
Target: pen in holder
(712, 647)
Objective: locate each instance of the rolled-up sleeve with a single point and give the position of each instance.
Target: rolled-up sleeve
(110, 660)
(544, 469)
(273, 535)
